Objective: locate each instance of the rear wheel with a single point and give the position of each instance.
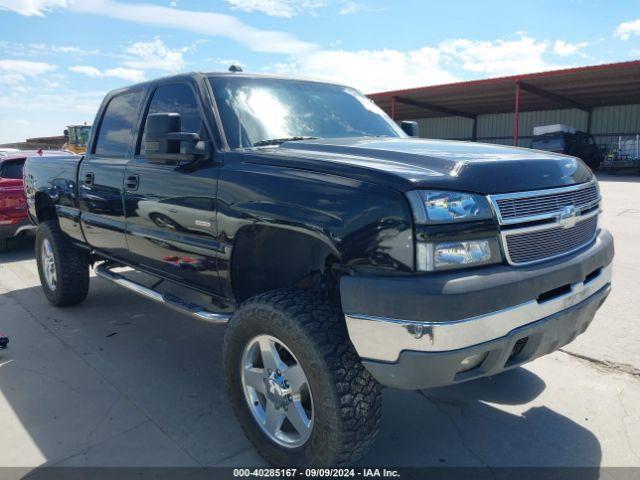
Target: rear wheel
(296, 383)
(63, 267)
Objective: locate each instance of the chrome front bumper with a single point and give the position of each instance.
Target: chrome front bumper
(383, 339)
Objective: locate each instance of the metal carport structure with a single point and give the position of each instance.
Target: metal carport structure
(582, 88)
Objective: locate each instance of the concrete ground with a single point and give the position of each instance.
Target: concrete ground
(121, 381)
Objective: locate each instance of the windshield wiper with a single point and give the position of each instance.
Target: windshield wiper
(278, 141)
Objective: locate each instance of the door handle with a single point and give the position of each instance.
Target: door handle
(89, 178)
(132, 182)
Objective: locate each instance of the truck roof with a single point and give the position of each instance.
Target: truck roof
(182, 76)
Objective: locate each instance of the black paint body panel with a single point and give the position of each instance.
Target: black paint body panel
(408, 163)
(171, 222)
(363, 225)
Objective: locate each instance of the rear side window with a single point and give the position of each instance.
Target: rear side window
(11, 169)
(118, 119)
(177, 99)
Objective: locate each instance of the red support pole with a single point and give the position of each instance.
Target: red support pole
(516, 115)
(394, 107)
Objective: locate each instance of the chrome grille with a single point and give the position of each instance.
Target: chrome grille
(519, 207)
(547, 243)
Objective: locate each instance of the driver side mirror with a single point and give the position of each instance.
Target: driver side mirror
(410, 128)
(165, 142)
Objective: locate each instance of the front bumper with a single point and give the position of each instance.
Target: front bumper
(454, 316)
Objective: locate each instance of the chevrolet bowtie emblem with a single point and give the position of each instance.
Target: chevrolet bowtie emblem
(567, 217)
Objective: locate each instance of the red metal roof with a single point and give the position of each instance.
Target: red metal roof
(592, 86)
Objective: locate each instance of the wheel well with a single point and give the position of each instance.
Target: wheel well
(45, 209)
(267, 258)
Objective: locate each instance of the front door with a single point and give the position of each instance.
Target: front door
(101, 175)
(170, 208)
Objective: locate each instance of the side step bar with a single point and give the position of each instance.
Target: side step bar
(165, 298)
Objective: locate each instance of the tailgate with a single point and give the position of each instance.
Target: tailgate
(13, 203)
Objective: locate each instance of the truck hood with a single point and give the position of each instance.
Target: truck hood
(407, 163)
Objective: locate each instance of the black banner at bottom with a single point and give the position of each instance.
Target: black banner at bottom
(223, 473)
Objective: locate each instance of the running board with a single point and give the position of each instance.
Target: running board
(165, 298)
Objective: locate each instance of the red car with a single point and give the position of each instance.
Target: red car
(13, 203)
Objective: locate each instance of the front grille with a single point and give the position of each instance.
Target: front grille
(551, 242)
(518, 207)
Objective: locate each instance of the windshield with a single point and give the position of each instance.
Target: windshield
(255, 111)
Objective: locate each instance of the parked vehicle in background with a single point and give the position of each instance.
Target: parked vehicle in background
(76, 137)
(569, 141)
(14, 220)
(341, 253)
(624, 155)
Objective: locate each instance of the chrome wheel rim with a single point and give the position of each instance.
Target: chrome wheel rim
(277, 391)
(49, 265)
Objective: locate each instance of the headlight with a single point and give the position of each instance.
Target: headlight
(447, 255)
(430, 207)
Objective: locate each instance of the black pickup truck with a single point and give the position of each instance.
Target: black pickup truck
(342, 254)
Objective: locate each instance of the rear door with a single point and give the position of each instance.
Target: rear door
(101, 174)
(170, 207)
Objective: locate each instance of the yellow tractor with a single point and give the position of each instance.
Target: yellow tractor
(76, 137)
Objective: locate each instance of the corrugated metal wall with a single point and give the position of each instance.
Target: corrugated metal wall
(607, 123)
(618, 119)
(454, 128)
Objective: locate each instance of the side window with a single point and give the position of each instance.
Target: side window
(118, 119)
(177, 99)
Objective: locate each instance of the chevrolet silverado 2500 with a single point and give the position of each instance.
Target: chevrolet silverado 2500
(341, 253)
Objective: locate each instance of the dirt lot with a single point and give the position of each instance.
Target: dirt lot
(121, 381)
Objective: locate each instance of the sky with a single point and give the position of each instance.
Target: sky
(59, 57)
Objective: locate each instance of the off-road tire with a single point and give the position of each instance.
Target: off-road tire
(72, 266)
(4, 245)
(347, 400)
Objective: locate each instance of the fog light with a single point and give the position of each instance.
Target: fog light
(471, 362)
(461, 253)
(448, 255)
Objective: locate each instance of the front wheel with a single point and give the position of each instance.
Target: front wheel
(63, 267)
(296, 383)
